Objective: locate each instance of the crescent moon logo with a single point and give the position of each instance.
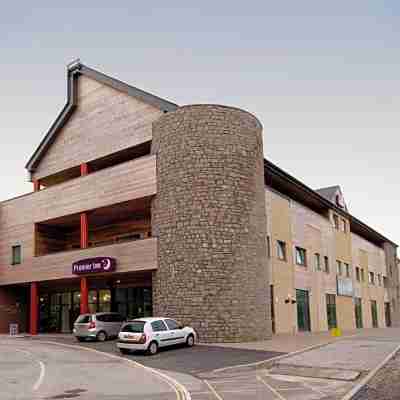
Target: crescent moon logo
(106, 264)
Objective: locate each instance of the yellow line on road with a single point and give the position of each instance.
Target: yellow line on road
(275, 392)
(213, 391)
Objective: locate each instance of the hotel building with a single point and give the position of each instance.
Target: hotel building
(147, 208)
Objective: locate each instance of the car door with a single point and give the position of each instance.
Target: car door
(176, 332)
(161, 333)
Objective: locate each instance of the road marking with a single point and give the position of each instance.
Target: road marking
(181, 392)
(213, 391)
(41, 376)
(39, 381)
(275, 392)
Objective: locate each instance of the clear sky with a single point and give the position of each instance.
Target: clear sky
(322, 76)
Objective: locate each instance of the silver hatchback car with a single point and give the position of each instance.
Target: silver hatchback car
(99, 326)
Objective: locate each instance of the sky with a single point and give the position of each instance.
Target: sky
(322, 76)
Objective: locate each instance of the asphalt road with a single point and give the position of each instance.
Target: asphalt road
(195, 361)
(31, 370)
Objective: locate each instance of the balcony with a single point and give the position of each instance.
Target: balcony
(118, 223)
(133, 256)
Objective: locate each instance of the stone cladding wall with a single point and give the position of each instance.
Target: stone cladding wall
(210, 219)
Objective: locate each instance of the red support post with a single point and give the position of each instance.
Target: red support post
(84, 231)
(84, 169)
(33, 328)
(36, 185)
(84, 296)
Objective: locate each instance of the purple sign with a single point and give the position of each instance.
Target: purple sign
(93, 265)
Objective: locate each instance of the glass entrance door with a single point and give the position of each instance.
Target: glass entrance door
(358, 312)
(331, 311)
(303, 310)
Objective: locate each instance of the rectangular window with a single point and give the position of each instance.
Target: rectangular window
(281, 250)
(326, 264)
(16, 255)
(339, 267)
(317, 262)
(358, 274)
(301, 257)
(362, 275)
(268, 247)
(344, 225)
(348, 269)
(379, 280)
(336, 221)
(371, 278)
(385, 282)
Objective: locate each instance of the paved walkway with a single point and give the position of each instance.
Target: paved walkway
(31, 370)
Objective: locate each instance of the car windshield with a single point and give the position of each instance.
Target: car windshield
(134, 327)
(84, 319)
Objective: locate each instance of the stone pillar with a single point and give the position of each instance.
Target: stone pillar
(34, 309)
(209, 216)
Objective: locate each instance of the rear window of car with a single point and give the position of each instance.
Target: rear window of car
(84, 319)
(134, 327)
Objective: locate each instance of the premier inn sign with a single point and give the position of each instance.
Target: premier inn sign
(94, 265)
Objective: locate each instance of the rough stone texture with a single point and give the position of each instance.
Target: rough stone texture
(210, 218)
(385, 385)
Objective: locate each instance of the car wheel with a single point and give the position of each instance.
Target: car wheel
(124, 351)
(153, 348)
(101, 336)
(190, 341)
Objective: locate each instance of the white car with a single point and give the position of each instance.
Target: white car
(149, 334)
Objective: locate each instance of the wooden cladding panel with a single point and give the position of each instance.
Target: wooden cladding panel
(105, 121)
(134, 256)
(128, 181)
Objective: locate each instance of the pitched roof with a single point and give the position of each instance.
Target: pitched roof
(74, 70)
(328, 192)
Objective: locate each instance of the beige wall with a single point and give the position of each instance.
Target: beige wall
(105, 121)
(282, 273)
(300, 226)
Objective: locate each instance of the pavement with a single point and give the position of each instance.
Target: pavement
(32, 370)
(329, 370)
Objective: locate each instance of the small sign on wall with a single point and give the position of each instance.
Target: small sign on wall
(13, 329)
(94, 265)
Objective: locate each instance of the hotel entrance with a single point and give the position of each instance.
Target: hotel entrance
(60, 305)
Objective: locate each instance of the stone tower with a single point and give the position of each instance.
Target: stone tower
(210, 219)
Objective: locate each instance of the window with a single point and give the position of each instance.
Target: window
(301, 258)
(268, 247)
(371, 278)
(134, 327)
(158, 326)
(326, 264)
(84, 319)
(336, 221)
(379, 280)
(385, 282)
(317, 262)
(348, 269)
(172, 325)
(281, 249)
(339, 267)
(16, 255)
(358, 274)
(362, 275)
(344, 225)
